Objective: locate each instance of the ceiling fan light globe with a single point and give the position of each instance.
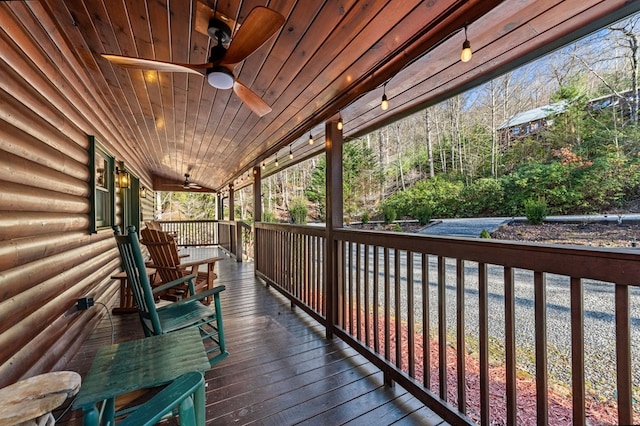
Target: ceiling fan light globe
(220, 78)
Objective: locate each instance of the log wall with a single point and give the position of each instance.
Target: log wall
(49, 105)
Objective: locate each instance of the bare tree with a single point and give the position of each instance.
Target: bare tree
(427, 127)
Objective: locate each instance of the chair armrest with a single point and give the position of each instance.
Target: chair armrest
(201, 262)
(201, 295)
(164, 401)
(173, 283)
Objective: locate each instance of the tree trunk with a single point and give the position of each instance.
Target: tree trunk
(399, 154)
(429, 143)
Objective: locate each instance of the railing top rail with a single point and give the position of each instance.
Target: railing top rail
(188, 221)
(313, 230)
(617, 265)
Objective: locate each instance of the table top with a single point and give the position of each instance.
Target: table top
(37, 395)
(139, 364)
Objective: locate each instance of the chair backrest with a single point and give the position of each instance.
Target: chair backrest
(153, 224)
(164, 253)
(133, 264)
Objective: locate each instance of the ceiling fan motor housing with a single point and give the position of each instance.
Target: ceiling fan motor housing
(220, 77)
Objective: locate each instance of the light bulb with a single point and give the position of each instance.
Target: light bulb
(276, 161)
(290, 154)
(385, 103)
(310, 139)
(340, 124)
(466, 54)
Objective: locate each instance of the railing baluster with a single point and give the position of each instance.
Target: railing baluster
(540, 315)
(376, 299)
(442, 327)
(397, 297)
(358, 300)
(319, 277)
(342, 284)
(350, 288)
(426, 323)
(411, 329)
(510, 345)
(623, 355)
(460, 336)
(483, 303)
(577, 351)
(387, 314)
(367, 293)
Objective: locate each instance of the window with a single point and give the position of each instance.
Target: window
(103, 187)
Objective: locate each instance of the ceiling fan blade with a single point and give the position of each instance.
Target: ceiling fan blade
(260, 25)
(252, 100)
(150, 64)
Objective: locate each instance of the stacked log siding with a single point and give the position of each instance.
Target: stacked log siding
(49, 105)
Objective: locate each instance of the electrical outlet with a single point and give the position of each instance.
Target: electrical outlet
(84, 303)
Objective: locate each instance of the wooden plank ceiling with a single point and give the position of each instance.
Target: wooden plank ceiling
(329, 57)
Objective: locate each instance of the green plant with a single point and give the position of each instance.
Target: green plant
(298, 211)
(389, 214)
(485, 234)
(269, 217)
(397, 228)
(535, 210)
(365, 218)
(423, 214)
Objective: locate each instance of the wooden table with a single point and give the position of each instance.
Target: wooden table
(127, 304)
(35, 397)
(139, 364)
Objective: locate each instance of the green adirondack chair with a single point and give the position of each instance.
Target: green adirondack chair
(186, 393)
(187, 312)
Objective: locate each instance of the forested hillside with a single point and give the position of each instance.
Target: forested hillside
(456, 159)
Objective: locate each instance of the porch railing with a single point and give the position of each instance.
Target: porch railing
(192, 232)
(480, 330)
(236, 238)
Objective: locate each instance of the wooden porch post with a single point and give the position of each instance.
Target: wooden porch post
(257, 194)
(231, 203)
(257, 212)
(333, 152)
(220, 215)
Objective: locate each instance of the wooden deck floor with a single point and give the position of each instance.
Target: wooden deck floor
(281, 370)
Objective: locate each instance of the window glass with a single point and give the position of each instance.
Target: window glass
(103, 187)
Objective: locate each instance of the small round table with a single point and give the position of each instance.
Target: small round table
(32, 400)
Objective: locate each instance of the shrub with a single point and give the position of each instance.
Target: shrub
(485, 234)
(298, 211)
(389, 214)
(483, 197)
(269, 217)
(365, 218)
(535, 210)
(423, 214)
(397, 228)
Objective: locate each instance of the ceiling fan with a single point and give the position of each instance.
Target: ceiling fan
(188, 184)
(257, 28)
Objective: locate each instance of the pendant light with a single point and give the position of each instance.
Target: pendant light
(310, 139)
(384, 104)
(466, 54)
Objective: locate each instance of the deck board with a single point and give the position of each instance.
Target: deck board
(281, 370)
